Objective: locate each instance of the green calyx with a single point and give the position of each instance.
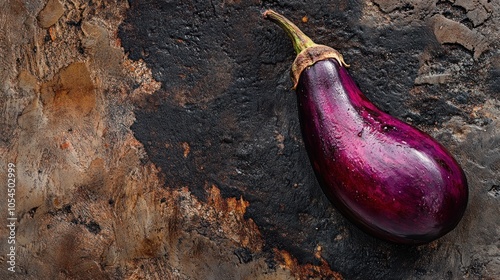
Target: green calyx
(308, 52)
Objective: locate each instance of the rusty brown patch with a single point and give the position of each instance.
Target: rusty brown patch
(149, 247)
(307, 271)
(230, 213)
(52, 33)
(187, 149)
(70, 94)
(230, 204)
(65, 145)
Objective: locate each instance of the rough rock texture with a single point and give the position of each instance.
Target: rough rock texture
(159, 139)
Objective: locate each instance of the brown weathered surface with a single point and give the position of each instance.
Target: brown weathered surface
(159, 140)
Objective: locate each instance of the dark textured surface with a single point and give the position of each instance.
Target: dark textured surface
(225, 116)
(219, 185)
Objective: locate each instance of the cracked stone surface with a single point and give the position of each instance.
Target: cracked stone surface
(160, 139)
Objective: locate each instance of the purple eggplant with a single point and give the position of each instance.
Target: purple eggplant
(390, 179)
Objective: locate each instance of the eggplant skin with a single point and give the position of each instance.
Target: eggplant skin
(387, 177)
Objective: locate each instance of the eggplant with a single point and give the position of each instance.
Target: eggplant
(387, 177)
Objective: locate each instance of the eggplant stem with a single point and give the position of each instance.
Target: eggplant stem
(299, 39)
(308, 52)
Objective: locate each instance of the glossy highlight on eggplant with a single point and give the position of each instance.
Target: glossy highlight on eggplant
(392, 180)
